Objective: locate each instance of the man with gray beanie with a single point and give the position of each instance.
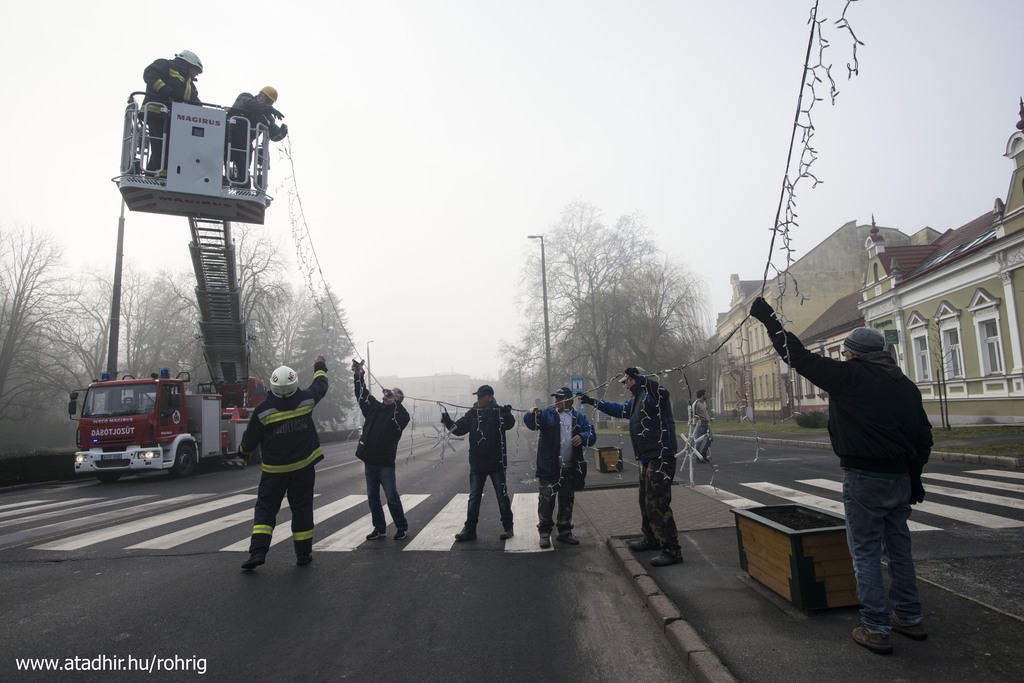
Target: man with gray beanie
(880, 432)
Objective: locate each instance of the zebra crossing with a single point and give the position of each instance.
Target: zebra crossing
(931, 510)
(223, 523)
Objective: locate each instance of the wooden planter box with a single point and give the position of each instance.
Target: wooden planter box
(809, 566)
(608, 459)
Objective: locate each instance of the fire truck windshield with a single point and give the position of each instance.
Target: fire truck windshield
(120, 399)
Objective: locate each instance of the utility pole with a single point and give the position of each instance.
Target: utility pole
(544, 285)
(115, 301)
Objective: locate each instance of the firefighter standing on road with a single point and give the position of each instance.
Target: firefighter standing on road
(283, 425)
(167, 81)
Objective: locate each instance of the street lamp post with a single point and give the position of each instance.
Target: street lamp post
(369, 376)
(544, 285)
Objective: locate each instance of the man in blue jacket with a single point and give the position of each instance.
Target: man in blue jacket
(652, 430)
(564, 432)
(879, 430)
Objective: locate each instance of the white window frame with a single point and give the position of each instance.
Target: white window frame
(917, 325)
(985, 309)
(947, 318)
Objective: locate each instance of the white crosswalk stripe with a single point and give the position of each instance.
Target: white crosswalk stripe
(439, 533)
(354, 535)
(959, 514)
(78, 522)
(93, 537)
(321, 514)
(833, 506)
(972, 481)
(524, 513)
(344, 522)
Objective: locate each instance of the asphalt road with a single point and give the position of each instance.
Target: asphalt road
(82, 579)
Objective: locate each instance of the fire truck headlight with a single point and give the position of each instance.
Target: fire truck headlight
(149, 455)
(79, 458)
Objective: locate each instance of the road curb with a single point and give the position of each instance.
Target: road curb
(700, 661)
(946, 456)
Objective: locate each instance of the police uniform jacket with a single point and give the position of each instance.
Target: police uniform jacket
(284, 428)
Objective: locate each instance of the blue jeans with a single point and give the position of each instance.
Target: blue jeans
(476, 491)
(702, 446)
(877, 511)
(384, 477)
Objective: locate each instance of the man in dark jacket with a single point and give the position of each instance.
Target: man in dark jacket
(378, 445)
(652, 430)
(283, 426)
(486, 424)
(167, 81)
(564, 432)
(258, 110)
(879, 430)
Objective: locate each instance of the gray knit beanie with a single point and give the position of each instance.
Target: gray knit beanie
(864, 340)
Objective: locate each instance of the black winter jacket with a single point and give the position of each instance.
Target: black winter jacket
(549, 444)
(382, 428)
(876, 419)
(486, 428)
(652, 428)
(285, 429)
(247, 106)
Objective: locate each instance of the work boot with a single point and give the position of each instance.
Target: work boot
(568, 537)
(303, 560)
(256, 558)
(506, 534)
(879, 643)
(545, 541)
(664, 559)
(640, 545)
(915, 632)
(467, 534)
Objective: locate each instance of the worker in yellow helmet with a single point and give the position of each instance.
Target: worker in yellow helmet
(257, 110)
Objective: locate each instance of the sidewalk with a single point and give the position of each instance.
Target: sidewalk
(727, 627)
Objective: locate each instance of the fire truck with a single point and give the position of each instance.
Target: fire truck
(130, 424)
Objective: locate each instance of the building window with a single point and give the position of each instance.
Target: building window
(951, 358)
(921, 365)
(991, 351)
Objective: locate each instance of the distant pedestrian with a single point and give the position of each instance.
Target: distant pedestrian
(702, 419)
(564, 432)
(378, 446)
(652, 430)
(283, 426)
(486, 424)
(879, 430)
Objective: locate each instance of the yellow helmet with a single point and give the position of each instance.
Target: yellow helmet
(270, 92)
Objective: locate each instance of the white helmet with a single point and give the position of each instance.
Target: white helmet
(192, 58)
(284, 382)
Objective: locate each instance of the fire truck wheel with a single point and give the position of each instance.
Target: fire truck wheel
(108, 477)
(184, 460)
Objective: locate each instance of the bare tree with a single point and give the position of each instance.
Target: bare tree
(30, 285)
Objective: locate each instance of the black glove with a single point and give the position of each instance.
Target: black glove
(506, 409)
(357, 368)
(762, 311)
(446, 420)
(587, 400)
(916, 488)
(282, 133)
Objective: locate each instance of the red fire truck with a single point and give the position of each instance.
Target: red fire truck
(132, 425)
